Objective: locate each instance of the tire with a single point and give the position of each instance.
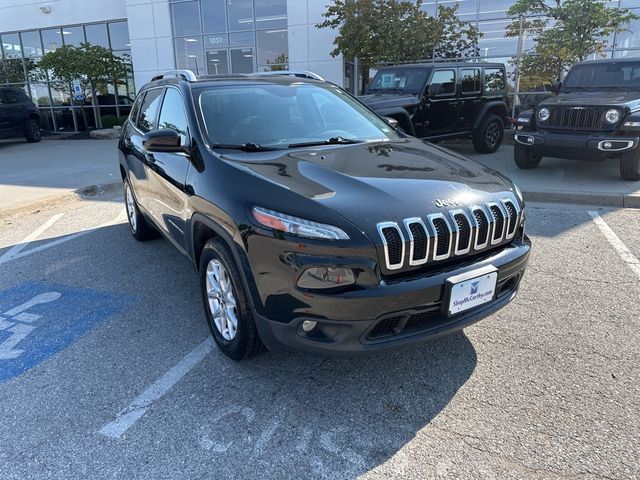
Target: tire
(630, 165)
(489, 135)
(222, 287)
(33, 133)
(138, 225)
(524, 157)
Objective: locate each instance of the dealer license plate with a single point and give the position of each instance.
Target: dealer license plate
(472, 289)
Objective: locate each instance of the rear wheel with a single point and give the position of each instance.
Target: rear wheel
(630, 165)
(138, 225)
(525, 158)
(33, 134)
(226, 303)
(488, 136)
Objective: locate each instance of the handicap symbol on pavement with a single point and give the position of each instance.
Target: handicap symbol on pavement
(39, 319)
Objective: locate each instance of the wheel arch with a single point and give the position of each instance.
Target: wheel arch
(498, 108)
(402, 116)
(202, 229)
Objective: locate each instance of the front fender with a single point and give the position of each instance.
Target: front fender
(400, 114)
(497, 106)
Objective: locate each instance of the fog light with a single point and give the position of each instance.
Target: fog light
(607, 145)
(309, 325)
(326, 277)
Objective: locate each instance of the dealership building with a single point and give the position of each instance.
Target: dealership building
(208, 37)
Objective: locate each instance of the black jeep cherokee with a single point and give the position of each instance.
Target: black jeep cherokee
(594, 116)
(448, 100)
(312, 223)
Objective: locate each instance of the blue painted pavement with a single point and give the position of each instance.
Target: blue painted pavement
(38, 319)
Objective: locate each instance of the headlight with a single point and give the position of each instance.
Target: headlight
(612, 116)
(297, 226)
(326, 277)
(544, 114)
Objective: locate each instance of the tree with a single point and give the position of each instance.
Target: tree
(92, 65)
(397, 31)
(565, 32)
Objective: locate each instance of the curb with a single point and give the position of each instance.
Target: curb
(47, 202)
(617, 200)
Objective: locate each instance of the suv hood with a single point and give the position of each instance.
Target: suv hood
(629, 99)
(375, 182)
(384, 100)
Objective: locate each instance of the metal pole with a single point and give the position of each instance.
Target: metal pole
(356, 76)
(516, 85)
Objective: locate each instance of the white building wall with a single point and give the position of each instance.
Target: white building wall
(310, 47)
(27, 14)
(150, 35)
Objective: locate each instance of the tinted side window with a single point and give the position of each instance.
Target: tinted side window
(13, 96)
(448, 80)
(493, 80)
(149, 109)
(470, 80)
(133, 114)
(172, 114)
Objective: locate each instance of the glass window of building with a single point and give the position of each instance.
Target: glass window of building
(630, 38)
(97, 34)
(241, 38)
(119, 36)
(214, 16)
(272, 46)
(73, 36)
(189, 53)
(270, 13)
(240, 15)
(467, 9)
(242, 60)
(493, 9)
(51, 39)
(31, 45)
(186, 18)
(11, 45)
(217, 62)
(494, 42)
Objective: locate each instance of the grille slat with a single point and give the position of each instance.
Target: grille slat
(459, 232)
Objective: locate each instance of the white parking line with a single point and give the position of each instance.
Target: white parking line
(17, 252)
(626, 255)
(139, 406)
(16, 249)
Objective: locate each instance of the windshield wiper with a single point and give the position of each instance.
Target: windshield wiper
(245, 147)
(330, 141)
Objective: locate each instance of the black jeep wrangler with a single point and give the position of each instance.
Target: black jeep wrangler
(441, 101)
(18, 115)
(312, 223)
(594, 116)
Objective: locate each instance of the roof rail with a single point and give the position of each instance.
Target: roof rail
(291, 73)
(187, 75)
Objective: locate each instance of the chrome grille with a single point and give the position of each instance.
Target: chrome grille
(439, 236)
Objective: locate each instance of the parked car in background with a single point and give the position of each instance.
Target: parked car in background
(313, 224)
(444, 100)
(594, 116)
(18, 115)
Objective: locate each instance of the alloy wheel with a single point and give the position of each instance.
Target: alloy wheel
(221, 300)
(493, 134)
(131, 208)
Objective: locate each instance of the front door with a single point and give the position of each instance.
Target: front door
(442, 109)
(168, 172)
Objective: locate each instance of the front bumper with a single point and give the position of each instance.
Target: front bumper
(576, 145)
(394, 313)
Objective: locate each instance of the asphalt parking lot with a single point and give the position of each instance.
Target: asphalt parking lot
(107, 370)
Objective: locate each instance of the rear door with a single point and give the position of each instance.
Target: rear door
(442, 109)
(168, 171)
(471, 99)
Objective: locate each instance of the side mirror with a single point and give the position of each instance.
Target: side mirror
(391, 121)
(435, 89)
(166, 140)
(556, 86)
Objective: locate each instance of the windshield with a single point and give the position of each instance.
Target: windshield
(284, 116)
(604, 75)
(403, 80)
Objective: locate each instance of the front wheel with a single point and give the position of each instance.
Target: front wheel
(525, 158)
(489, 134)
(630, 165)
(33, 134)
(226, 304)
